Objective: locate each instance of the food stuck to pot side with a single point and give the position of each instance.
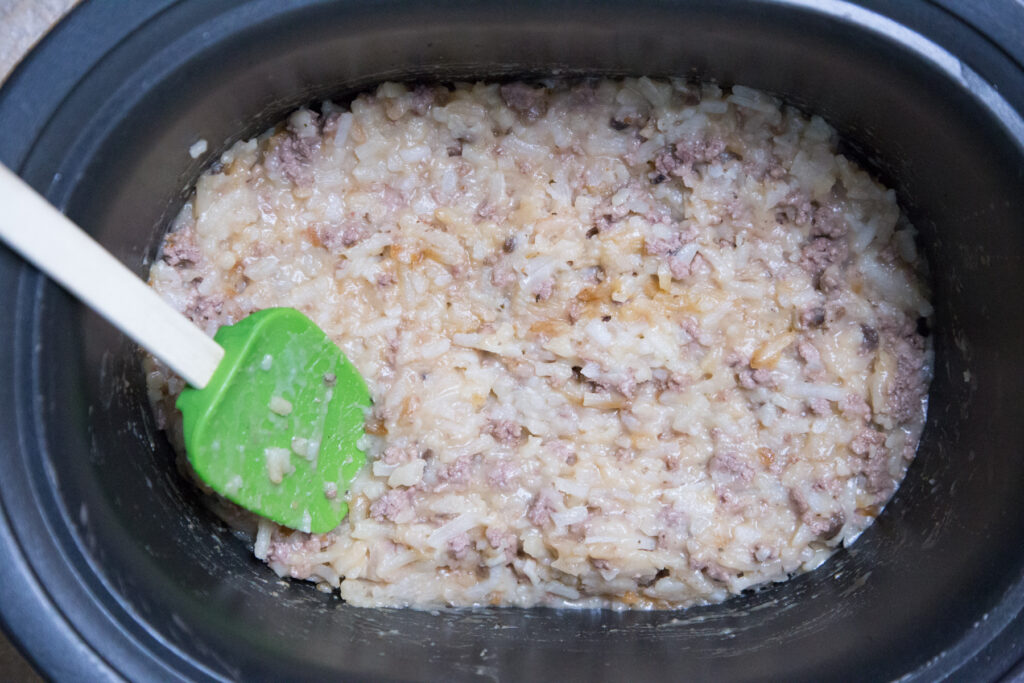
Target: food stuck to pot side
(630, 343)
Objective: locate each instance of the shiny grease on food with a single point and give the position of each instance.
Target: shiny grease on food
(631, 344)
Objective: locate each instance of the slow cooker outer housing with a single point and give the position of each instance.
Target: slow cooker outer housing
(113, 567)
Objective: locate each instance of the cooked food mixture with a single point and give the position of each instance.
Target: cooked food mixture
(630, 343)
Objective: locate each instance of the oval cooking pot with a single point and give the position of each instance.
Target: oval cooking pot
(112, 566)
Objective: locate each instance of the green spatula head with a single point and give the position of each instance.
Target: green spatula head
(277, 428)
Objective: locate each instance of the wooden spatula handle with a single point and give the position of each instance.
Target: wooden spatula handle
(67, 254)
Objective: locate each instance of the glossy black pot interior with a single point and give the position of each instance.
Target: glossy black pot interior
(113, 564)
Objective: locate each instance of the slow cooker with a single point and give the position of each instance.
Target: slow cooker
(113, 568)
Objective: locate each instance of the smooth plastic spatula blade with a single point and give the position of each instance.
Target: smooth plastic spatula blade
(276, 430)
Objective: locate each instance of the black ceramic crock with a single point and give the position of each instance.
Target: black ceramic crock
(110, 566)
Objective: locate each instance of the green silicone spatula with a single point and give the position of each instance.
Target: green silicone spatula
(274, 411)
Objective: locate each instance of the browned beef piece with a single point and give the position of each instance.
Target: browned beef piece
(528, 101)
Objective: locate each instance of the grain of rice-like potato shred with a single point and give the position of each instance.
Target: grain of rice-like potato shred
(631, 344)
